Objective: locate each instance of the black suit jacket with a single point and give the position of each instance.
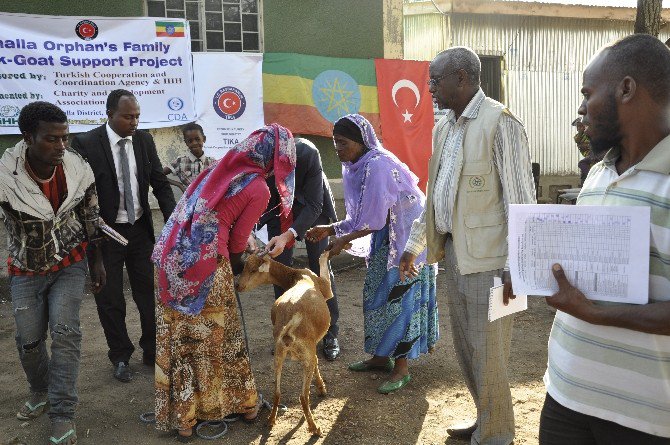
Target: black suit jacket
(313, 196)
(94, 147)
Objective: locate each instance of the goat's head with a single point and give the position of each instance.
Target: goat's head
(256, 272)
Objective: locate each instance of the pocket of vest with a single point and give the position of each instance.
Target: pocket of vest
(486, 234)
(476, 168)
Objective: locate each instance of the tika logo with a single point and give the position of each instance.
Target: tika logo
(229, 103)
(86, 30)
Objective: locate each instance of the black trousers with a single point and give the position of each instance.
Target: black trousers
(314, 251)
(562, 426)
(110, 300)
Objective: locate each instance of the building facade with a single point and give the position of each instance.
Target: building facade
(533, 56)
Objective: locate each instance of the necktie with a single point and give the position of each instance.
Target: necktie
(127, 190)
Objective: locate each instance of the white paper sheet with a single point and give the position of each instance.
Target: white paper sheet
(496, 307)
(604, 250)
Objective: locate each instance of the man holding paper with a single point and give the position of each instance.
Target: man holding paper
(609, 364)
(480, 165)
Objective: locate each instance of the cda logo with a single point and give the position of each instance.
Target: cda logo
(176, 104)
(229, 103)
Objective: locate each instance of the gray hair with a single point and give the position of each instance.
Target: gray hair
(462, 58)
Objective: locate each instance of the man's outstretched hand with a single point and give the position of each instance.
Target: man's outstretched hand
(278, 243)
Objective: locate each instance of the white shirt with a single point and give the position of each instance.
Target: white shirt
(122, 215)
(612, 373)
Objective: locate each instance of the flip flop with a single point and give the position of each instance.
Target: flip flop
(70, 434)
(262, 403)
(185, 439)
(259, 407)
(30, 412)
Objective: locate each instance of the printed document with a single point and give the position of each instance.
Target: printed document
(604, 250)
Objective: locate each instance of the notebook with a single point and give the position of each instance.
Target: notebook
(496, 307)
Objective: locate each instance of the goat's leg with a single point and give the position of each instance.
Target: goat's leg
(280, 355)
(320, 385)
(308, 366)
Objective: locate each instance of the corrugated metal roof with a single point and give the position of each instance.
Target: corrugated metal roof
(544, 58)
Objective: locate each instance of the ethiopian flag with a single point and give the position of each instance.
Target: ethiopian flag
(169, 29)
(307, 94)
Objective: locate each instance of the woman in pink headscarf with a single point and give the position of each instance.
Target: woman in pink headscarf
(202, 365)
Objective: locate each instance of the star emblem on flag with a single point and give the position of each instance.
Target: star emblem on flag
(337, 97)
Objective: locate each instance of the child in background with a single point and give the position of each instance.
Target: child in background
(189, 166)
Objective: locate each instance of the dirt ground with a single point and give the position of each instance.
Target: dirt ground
(352, 412)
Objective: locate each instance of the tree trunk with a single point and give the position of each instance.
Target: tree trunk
(648, 19)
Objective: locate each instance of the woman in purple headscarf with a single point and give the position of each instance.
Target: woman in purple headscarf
(382, 200)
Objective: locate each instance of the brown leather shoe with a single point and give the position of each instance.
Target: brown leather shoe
(462, 430)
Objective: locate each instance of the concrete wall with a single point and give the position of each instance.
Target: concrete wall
(93, 8)
(343, 28)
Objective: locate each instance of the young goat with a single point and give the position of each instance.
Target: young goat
(300, 319)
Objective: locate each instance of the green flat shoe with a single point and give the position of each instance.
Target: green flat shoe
(388, 386)
(362, 366)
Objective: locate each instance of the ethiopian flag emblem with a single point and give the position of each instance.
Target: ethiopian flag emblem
(169, 29)
(307, 94)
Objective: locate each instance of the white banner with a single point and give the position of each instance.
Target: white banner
(228, 97)
(75, 62)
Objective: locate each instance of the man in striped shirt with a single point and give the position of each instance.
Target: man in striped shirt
(608, 373)
(480, 165)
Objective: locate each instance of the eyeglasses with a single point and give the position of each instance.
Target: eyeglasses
(433, 81)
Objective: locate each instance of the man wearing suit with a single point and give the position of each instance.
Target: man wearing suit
(124, 162)
(313, 205)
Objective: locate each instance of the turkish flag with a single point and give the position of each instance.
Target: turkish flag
(406, 112)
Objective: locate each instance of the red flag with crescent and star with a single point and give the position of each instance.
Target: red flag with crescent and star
(406, 112)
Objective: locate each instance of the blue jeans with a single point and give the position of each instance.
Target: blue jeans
(51, 300)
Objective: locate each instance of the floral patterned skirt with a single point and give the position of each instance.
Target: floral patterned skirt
(202, 364)
(400, 319)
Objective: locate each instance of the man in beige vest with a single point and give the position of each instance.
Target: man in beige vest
(480, 165)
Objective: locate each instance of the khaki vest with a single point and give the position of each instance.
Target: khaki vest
(479, 227)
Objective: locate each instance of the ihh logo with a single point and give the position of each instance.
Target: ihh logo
(8, 114)
(9, 111)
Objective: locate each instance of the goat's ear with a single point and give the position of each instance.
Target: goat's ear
(265, 267)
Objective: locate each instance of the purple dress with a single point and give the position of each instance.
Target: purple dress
(381, 194)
